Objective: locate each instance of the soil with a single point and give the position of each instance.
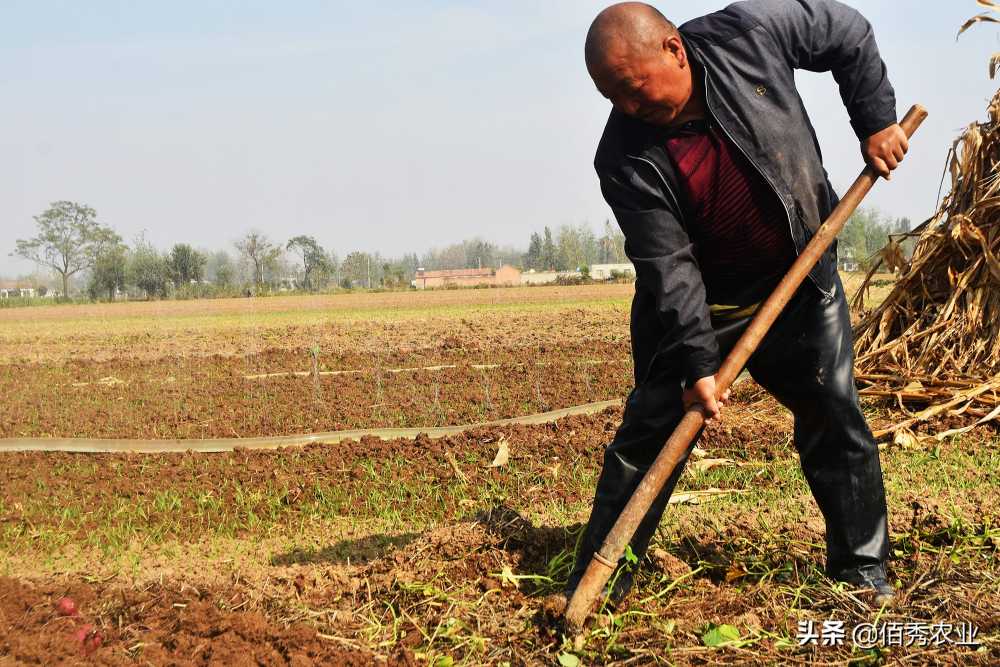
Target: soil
(116, 371)
(158, 624)
(297, 475)
(482, 583)
(471, 579)
(478, 578)
(372, 324)
(212, 397)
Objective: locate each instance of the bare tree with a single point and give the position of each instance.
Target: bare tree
(261, 253)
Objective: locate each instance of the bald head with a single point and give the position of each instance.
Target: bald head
(638, 61)
(625, 30)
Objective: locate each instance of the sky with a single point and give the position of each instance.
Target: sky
(391, 126)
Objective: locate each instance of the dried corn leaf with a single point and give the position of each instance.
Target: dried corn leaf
(976, 19)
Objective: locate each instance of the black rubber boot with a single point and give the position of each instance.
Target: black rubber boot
(872, 579)
(807, 364)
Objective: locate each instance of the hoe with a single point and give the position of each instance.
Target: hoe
(606, 558)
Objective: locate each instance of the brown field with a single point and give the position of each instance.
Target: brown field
(419, 551)
(180, 369)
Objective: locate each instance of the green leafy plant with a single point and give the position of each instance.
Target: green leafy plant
(720, 635)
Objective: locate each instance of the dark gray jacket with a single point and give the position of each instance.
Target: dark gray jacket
(748, 52)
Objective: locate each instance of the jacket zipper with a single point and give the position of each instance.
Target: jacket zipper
(788, 214)
(666, 186)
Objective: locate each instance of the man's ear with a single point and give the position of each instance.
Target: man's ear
(674, 47)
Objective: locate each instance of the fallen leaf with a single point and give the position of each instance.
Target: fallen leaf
(720, 635)
(568, 660)
(696, 497)
(708, 464)
(503, 454)
(906, 439)
(507, 577)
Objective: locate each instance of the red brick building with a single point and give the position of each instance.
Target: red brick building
(505, 275)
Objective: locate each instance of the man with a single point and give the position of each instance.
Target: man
(714, 174)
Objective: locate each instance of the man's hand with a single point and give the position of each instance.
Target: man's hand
(884, 150)
(703, 395)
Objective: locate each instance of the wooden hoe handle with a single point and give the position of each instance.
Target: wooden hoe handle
(605, 560)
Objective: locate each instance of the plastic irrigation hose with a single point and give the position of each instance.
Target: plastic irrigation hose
(116, 445)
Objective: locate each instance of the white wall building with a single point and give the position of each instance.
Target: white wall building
(604, 271)
(12, 290)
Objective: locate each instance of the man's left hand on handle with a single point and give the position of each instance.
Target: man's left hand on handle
(702, 394)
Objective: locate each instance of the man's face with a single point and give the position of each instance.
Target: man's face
(654, 88)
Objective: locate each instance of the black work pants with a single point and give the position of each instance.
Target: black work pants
(806, 363)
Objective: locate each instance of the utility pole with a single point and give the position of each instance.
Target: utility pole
(369, 257)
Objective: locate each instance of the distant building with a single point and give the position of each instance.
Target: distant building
(533, 277)
(845, 258)
(14, 290)
(609, 271)
(505, 275)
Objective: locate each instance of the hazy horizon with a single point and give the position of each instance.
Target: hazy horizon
(385, 128)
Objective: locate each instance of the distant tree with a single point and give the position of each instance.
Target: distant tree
(355, 269)
(589, 244)
(576, 246)
(330, 272)
(568, 249)
(409, 264)
(470, 254)
(69, 240)
(449, 257)
(107, 276)
(392, 275)
(479, 254)
(533, 259)
(864, 234)
(908, 243)
(260, 252)
(279, 271)
(876, 234)
(220, 269)
(611, 245)
(510, 256)
(549, 253)
(185, 264)
(313, 257)
(388, 280)
(147, 269)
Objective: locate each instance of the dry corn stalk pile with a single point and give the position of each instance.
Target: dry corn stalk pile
(933, 346)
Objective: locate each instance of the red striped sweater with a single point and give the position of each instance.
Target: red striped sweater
(739, 227)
